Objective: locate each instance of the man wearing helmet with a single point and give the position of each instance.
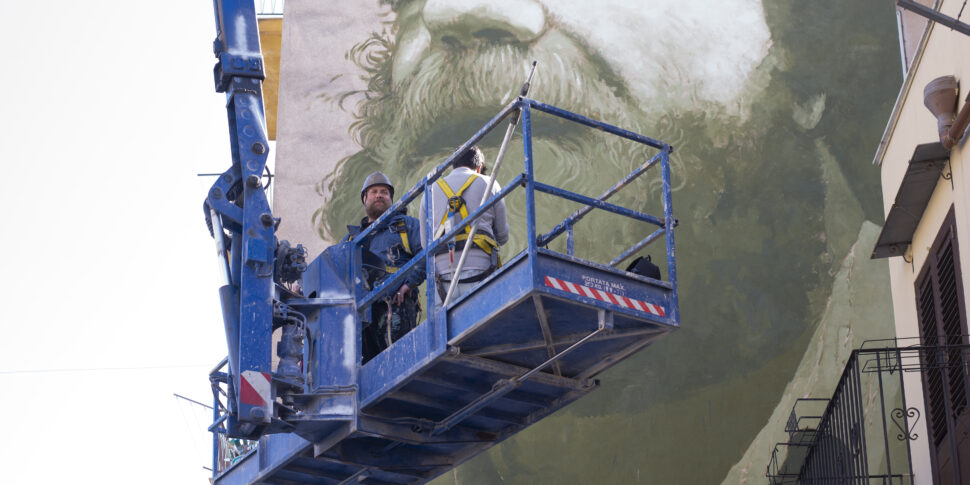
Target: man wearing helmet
(385, 250)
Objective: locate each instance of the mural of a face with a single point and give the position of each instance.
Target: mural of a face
(450, 64)
(771, 184)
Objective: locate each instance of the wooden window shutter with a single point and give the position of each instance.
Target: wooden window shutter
(943, 331)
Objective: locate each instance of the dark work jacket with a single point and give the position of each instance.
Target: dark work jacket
(387, 245)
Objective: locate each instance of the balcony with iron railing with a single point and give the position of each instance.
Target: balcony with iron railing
(863, 434)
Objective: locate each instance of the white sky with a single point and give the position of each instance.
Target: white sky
(108, 113)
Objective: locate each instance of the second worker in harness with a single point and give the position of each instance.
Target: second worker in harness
(454, 197)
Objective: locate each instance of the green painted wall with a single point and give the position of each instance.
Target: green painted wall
(774, 140)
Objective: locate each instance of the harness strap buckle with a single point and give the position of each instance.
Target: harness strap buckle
(455, 204)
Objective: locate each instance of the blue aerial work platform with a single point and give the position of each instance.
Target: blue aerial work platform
(525, 342)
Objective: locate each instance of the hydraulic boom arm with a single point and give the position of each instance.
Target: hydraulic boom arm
(237, 203)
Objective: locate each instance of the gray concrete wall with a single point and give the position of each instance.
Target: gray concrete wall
(313, 128)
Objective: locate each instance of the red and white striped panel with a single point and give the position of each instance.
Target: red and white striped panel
(255, 389)
(606, 296)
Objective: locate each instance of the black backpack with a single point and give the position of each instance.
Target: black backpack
(642, 266)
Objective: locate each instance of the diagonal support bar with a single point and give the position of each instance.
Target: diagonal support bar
(637, 247)
(581, 213)
(546, 333)
(599, 204)
(506, 386)
(563, 340)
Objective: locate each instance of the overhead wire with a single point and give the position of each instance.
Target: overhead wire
(98, 369)
(192, 429)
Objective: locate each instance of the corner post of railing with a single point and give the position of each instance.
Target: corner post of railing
(885, 417)
(357, 282)
(904, 408)
(669, 224)
(215, 436)
(430, 287)
(530, 194)
(570, 240)
(862, 466)
(217, 415)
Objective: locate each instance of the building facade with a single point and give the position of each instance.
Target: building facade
(925, 194)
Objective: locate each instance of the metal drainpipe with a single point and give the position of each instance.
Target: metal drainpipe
(953, 136)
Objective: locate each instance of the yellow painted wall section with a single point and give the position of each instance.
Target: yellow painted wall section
(944, 54)
(916, 126)
(270, 40)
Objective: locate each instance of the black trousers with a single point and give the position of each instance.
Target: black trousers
(403, 318)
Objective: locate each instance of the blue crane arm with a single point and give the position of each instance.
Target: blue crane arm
(239, 216)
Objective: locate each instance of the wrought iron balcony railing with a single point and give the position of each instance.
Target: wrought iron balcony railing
(862, 434)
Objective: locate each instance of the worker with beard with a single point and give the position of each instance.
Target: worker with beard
(453, 198)
(385, 250)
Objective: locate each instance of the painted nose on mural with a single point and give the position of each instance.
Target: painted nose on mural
(466, 22)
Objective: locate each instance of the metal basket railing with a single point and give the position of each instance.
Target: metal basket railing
(665, 224)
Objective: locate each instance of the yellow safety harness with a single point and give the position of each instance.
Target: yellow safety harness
(402, 230)
(457, 204)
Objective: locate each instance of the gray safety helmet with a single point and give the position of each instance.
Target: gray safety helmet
(376, 178)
